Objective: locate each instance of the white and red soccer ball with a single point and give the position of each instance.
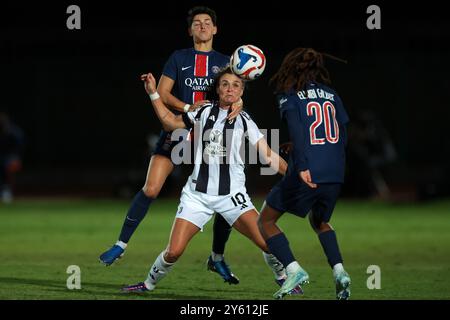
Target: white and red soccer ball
(248, 62)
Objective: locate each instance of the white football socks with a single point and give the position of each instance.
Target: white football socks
(277, 267)
(337, 268)
(158, 271)
(216, 257)
(121, 244)
(293, 267)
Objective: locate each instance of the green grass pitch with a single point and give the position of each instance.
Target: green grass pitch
(39, 239)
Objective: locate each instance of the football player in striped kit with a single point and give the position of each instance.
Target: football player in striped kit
(187, 77)
(217, 183)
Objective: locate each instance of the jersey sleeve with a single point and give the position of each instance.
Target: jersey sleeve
(189, 118)
(170, 68)
(291, 114)
(343, 119)
(342, 115)
(253, 133)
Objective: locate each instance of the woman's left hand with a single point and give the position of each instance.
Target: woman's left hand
(149, 83)
(235, 109)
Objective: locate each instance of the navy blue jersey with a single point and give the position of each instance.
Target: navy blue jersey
(193, 72)
(316, 120)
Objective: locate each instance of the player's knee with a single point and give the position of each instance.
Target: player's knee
(324, 227)
(259, 223)
(314, 222)
(151, 190)
(260, 228)
(318, 224)
(172, 255)
(264, 224)
(266, 221)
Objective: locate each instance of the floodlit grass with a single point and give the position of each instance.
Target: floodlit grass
(39, 239)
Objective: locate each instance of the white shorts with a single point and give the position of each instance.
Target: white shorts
(198, 207)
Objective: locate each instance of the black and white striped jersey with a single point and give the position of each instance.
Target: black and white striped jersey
(218, 165)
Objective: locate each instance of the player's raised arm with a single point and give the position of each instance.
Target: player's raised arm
(165, 86)
(272, 158)
(169, 121)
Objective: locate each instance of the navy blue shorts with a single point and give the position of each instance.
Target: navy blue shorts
(301, 199)
(165, 145)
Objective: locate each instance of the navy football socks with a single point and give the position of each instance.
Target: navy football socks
(330, 246)
(221, 233)
(279, 247)
(138, 210)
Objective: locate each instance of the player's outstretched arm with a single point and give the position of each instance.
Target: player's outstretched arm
(165, 87)
(272, 158)
(169, 121)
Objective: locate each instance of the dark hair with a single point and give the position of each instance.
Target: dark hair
(199, 10)
(212, 94)
(299, 67)
(223, 71)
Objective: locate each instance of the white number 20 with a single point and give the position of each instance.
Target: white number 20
(325, 111)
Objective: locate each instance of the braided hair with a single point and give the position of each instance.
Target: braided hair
(299, 67)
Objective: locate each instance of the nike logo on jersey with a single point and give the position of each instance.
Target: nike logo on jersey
(185, 68)
(283, 101)
(128, 218)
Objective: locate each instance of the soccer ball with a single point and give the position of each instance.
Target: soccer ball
(248, 62)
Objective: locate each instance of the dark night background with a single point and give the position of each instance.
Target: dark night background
(77, 96)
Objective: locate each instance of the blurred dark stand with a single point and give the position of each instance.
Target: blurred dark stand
(11, 150)
(78, 98)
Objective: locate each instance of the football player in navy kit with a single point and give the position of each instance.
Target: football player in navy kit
(187, 76)
(316, 120)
